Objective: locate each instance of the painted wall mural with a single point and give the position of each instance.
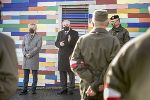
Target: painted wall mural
(47, 14)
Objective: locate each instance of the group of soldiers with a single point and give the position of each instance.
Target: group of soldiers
(91, 54)
(107, 68)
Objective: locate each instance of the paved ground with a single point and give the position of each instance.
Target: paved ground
(47, 94)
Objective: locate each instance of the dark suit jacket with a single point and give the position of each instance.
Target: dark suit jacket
(66, 50)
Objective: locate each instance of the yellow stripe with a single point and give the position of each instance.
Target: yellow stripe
(128, 11)
(47, 64)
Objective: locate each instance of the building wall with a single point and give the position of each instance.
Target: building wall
(134, 14)
(17, 14)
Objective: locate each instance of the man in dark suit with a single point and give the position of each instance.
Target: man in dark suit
(66, 41)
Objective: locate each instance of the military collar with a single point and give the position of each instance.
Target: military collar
(99, 30)
(118, 29)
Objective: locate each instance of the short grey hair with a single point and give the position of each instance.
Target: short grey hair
(33, 26)
(66, 22)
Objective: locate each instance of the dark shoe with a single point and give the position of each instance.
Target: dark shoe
(33, 92)
(70, 92)
(23, 92)
(62, 92)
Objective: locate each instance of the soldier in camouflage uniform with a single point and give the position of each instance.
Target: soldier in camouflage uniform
(128, 76)
(120, 32)
(92, 55)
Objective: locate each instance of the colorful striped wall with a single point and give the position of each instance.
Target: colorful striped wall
(47, 14)
(134, 14)
(17, 14)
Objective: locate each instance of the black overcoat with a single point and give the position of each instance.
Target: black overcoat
(65, 51)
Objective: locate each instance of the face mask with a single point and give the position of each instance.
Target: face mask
(31, 30)
(66, 28)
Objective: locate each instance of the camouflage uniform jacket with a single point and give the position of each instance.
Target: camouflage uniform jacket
(92, 55)
(121, 33)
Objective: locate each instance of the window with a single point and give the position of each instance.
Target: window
(78, 16)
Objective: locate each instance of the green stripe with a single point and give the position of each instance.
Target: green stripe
(47, 21)
(142, 29)
(144, 10)
(13, 26)
(52, 38)
(53, 8)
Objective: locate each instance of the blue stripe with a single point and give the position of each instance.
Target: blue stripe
(10, 29)
(19, 1)
(19, 17)
(145, 5)
(15, 9)
(33, 4)
(16, 5)
(42, 59)
(17, 45)
(18, 33)
(90, 15)
(37, 17)
(75, 16)
(51, 85)
(60, 0)
(1, 21)
(52, 77)
(140, 25)
(50, 42)
(20, 84)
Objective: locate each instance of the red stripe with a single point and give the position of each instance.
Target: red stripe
(113, 98)
(141, 15)
(74, 66)
(106, 85)
(98, 2)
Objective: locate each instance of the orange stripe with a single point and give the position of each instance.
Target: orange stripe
(37, 8)
(20, 71)
(28, 21)
(127, 10)
(53, 51)
(144, 19)
(133, 29)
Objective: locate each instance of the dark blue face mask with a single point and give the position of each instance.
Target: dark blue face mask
(66, 28)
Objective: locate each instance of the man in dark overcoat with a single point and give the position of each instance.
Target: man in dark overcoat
(66, 41)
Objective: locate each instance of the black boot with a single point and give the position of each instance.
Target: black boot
(33, 92)
(61, 92)
(24, 92)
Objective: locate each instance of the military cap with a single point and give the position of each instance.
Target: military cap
(114, 17)
(100, 15)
